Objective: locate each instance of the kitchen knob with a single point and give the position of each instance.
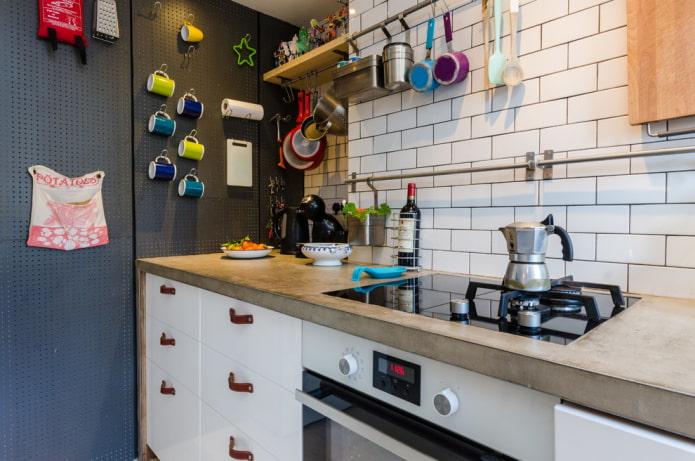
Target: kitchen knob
(446, 403)
(348, 365)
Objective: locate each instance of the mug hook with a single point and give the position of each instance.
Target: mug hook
(193, 133)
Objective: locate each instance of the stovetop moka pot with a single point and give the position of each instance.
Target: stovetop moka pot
(527, 243)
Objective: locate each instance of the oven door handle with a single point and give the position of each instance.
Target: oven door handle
(393, 445)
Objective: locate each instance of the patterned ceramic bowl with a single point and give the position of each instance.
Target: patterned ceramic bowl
(326, 254)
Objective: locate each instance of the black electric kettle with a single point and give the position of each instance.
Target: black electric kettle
(292, 228)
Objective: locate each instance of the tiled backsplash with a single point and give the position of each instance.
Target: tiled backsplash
(632, 221)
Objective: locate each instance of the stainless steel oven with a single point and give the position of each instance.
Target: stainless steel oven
(366, 401)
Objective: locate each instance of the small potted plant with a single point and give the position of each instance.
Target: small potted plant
(366, 226)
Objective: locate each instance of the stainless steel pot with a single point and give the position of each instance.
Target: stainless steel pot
(398, 58)
(329, 116)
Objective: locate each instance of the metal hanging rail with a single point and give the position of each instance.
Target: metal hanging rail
(382, 25)
(530, 165)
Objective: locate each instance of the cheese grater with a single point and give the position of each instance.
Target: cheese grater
(105, 24)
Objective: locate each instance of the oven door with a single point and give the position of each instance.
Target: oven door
(342, 424)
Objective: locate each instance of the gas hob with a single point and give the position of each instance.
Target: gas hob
(560, 315)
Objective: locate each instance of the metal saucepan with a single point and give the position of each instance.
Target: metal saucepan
(421, 73)
(328, 117)
(452, 66)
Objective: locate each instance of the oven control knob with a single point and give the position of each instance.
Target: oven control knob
(445, 402)
(348, 365)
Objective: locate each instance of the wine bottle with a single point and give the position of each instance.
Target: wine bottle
(409, 231)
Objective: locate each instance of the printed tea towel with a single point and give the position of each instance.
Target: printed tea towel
(66, 213)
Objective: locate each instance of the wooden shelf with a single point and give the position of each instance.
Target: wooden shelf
(323, 56)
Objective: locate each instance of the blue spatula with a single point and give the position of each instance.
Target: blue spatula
(378, 272)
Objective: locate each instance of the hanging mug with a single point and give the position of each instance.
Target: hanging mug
(161, 123)
(189, 105)
(159, 82)
(191, 186)
(189, 147)
(162, 168)
(190, 33)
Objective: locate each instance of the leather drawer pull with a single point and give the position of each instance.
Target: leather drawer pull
(239, 387)
(238, 454)
(239, 319)
(165, 290)
(164, 341)
(167, 390)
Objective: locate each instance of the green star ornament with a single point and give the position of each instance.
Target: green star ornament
(251, 51)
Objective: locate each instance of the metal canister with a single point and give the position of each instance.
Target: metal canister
(398, 58)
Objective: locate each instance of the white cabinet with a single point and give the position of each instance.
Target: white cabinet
(216, 368)
(582, 434)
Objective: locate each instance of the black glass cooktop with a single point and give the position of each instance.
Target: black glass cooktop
(561, 318)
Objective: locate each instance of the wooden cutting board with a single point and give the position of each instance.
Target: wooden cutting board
(661, 59)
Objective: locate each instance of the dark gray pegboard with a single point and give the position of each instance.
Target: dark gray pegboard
(67, 361)
(167, 224)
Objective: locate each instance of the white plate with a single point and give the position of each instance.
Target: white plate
(247, 254)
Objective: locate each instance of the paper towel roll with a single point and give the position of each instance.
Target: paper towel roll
(241, 109)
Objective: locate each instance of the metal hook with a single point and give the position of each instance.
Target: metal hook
(376, 192)
(190, 51)
(155, 9)
(190, 18)
(289, 95)
(163, 68)
(193, 133)
(163, 108)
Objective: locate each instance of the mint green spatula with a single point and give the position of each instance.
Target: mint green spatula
(497, 60)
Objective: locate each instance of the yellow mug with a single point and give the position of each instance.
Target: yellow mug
(159, 83)
(190, 33)
(189, 147)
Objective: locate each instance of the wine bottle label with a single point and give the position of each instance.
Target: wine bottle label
(406, 234)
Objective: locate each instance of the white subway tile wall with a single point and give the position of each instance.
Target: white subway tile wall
(632, 221)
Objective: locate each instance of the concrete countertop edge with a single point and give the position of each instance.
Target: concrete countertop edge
(650, 404)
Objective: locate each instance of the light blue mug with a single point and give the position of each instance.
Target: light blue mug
(161, 123)
(191, 186)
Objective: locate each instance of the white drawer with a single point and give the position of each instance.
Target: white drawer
(173, 421)
(270, 414)
(271, 345)
(215, 439)
(174, 303)
(180, 360)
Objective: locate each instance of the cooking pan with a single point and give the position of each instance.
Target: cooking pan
(452, 66)
(421, 73)
(303, 148)
(328, 117)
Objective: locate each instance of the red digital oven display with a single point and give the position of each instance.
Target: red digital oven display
(396, 368)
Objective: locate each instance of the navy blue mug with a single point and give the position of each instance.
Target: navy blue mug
(189, 106)
(162, 168)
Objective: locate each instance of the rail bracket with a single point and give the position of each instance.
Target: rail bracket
(530, 166)
(548, 170)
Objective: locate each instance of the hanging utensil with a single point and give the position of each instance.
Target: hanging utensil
(277, 118)
(497, 60)
(513, 74)
(486, 40)
(303, 148)
(421, 73)
(452, 66)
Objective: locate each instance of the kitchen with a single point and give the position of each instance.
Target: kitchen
(631, 220)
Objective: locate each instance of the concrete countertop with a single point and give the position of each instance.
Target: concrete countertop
(639, 365)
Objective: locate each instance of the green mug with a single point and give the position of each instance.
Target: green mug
(159, 83)
(189, 147)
